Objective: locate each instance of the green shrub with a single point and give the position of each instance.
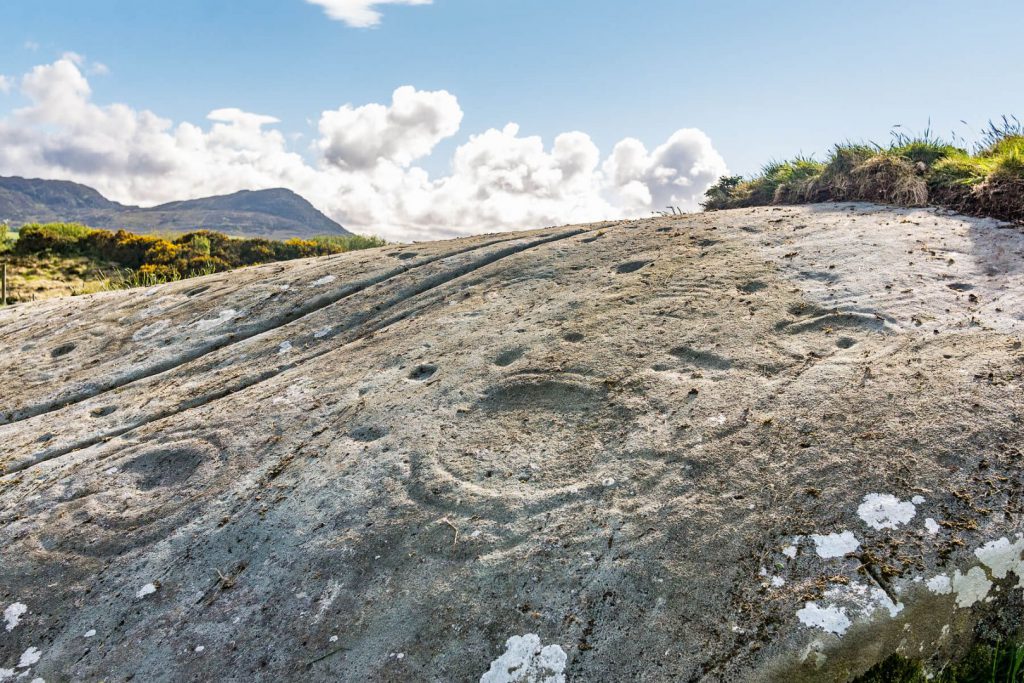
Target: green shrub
(257, 251)
(200, 244)
(57, 238)
(721, 194)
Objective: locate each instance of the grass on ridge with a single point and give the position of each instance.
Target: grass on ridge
(913, 170)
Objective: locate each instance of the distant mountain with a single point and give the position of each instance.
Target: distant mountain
(276, 213)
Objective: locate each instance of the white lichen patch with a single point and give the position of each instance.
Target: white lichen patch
(939, 584)
(13, 614)
(325, 280)
(321, 333)
(525, 660)
(917, 500)
(1002, 557)
(210, 323)
(769, 580)
(831, 619)
(835, 545)
(885, 511)
(931, 526)
(847, 603)
(148, 589)
(970, 587)
(6, 674)
(90, 633)
(29, 657)
(863, 600)
(285, 347)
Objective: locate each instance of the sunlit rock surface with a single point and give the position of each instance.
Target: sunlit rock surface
(770, 444)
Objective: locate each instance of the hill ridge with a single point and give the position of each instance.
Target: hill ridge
(274, 212)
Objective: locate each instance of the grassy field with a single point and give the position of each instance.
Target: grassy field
(913, 170)
(43, 276)
(66, 259)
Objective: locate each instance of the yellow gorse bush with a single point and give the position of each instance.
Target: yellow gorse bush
(163, 258)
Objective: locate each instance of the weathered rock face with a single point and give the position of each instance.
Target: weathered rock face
(772, 444)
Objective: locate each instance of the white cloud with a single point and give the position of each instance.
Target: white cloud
(360, 13)
(5, 84)
(361, 137)
(676, 173)
(59, 91)
(361, 168)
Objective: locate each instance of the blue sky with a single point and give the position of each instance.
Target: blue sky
(762, 80)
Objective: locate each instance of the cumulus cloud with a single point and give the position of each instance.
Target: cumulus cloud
(674, 174)
(361, 167)
(360, 13)
(362, 137)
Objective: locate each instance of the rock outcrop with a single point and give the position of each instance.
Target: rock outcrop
(767, 444)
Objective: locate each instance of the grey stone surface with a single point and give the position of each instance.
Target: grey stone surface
(770, 444)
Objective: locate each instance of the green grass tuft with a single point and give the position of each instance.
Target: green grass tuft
(130, 279)
(913, 170)
(924, 152)
(348, 242)
(983, 663)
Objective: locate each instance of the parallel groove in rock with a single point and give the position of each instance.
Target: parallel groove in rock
(303, 311)
(245, 383)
